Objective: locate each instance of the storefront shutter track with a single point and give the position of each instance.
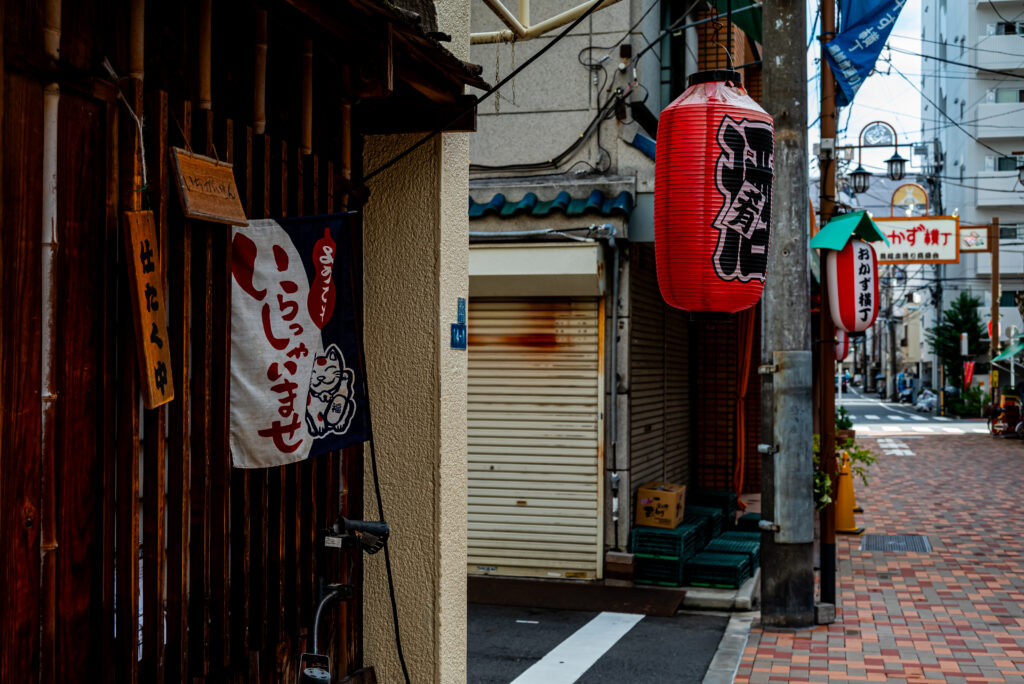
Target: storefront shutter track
(535, 417)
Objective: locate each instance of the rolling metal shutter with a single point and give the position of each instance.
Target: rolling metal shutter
(659, 400)
(535, 437)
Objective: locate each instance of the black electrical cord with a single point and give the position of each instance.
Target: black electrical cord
(556, 161)
(419, 143)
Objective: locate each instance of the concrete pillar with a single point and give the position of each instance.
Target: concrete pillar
(416, 267)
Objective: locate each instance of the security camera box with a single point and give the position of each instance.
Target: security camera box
(660, 504)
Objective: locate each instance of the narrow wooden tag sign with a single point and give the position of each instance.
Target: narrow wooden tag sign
(150, 315)
(207, 188)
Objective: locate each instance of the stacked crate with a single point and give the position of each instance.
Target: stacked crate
(709, 518)
(720, 570)
(660, 555)
(750, 549)
(723, 501)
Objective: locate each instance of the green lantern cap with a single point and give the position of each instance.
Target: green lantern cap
(836, 233)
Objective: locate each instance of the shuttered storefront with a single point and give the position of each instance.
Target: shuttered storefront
(535, 427)
(659, 400)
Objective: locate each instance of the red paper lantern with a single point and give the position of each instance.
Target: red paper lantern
(713, 196)
(852, 274)
(842, 344)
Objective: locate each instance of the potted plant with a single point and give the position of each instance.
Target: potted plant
(844, 426)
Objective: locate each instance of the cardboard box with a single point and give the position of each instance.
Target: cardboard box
(660, 504)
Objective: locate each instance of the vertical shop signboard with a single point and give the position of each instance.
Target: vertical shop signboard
(150, 314)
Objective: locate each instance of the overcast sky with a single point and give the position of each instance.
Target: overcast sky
(884, 96)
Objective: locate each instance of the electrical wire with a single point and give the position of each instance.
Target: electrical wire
(939, 109)
(1008, 74)
(422, 141)
(953, 45)
(564, 155)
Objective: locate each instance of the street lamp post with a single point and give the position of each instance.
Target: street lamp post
(878, 134)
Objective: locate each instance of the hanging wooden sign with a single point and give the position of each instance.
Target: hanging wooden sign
(147, 289)
(207, 188)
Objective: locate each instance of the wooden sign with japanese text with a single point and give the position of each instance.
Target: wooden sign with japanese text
(919, 240)
(207, 188)
(975, 238)
(150, 315)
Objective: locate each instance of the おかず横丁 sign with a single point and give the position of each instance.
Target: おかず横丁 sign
(296, 385)
(919, 240)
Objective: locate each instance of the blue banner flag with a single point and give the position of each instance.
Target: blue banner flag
(866, 25)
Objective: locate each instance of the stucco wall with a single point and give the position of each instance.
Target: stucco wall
(416, 266)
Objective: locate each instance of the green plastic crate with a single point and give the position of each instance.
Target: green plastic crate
(712, 515)
(749, 522)
(723, 501)
(664, 572)
(751, 549)
(722, 570)
(740, 535)
(656, 542)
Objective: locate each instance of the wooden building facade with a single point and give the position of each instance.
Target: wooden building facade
(132, 550)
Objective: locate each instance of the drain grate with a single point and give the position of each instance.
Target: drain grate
(897, 543)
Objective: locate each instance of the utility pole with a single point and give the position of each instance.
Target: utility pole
(891, 326)
(993, 240)
(826, 332)
(787, 507)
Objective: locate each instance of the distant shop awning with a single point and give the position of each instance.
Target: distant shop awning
(1010, 351)
(836, 233)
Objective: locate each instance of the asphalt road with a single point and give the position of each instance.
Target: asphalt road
(873, 417)
(508, 644)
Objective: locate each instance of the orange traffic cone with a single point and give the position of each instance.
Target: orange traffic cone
(849, 465)
(846, 501)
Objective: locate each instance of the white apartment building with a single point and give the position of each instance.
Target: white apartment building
(973, 117)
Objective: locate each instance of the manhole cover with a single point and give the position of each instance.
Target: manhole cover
(898, 543)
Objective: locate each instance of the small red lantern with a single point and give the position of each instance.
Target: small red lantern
(842, 344)
(852, 274)
(713, 196)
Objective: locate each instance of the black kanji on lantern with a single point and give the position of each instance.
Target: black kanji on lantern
(743, 176)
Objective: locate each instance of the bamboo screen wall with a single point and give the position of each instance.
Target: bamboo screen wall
(159, 561)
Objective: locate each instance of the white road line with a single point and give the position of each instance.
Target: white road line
(980, 431)
(895, 416)
(918, 418)
(570, 659)
(922, 428)
(891, 428)
(953, 430)
(872, 416)
(941, 418)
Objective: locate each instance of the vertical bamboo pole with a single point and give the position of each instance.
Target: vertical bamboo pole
(306, 144)
(259, 90)
(205, 50)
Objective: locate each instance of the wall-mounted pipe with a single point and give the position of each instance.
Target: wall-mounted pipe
(48, 319)
(307, 97)
(205, 49)
(517, 31)
(259, 90)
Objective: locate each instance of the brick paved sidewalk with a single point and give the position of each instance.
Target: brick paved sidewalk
(953, 615)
